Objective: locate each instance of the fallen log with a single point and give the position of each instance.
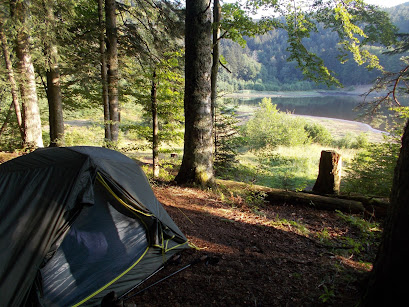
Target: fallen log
(345, 203)
(375, 206)
(276, 196)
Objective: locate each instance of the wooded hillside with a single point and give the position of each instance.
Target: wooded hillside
(262, 64)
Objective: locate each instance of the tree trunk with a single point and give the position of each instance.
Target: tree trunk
(217, 11)
(329, 176)
(12, 80)
(28, 89)
(197, 162)
(388, 285)
(104, 72)
(155, 128)
(56, 119)
(112, 64)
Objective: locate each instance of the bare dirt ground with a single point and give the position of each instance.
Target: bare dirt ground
(257, 255)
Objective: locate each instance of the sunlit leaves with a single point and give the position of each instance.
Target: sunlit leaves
(236, 23)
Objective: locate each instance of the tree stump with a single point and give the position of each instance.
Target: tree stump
(329, 176)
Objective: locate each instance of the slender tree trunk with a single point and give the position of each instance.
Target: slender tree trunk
(112, 63)
(12, 80)
(56, 118)
(197, 162)
(217, 11)
(155, 128)
(388, 284)
(104, 73)
(28, 89)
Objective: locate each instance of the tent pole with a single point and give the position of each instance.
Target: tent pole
(166, 277)
(171, 260)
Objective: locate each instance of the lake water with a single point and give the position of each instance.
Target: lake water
(336, 106)
(341, 107)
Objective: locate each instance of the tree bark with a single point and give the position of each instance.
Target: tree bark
(12, 80)
(155, 128)
(329, 176)
(28, 89)
(217, 11)
(104, 72)
(56, 119)
(112, 64)
(387, 284)
(197, 162)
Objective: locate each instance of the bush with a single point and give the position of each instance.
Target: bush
(347, 141)
(270, 128)
(371, 170)
(318, 134)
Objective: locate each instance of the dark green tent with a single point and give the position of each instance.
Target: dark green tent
(77, 223)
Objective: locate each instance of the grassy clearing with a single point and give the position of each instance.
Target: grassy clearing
(293, 168)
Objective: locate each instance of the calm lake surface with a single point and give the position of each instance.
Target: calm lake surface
(332, 106)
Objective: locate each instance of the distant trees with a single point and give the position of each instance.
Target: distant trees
(278, 58)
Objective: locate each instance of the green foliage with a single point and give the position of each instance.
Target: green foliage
(318, 134)
(91, 136)
(270, 127)
(298, 26)
(168, 78)
(167, 170)
(325, 44)
(372, 169)
(286, 172)
(236, 23)
(328, 295)
(298, 226)
(368, 234)
(227, 137)
(10, 139)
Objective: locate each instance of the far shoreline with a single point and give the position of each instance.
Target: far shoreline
(359, 90)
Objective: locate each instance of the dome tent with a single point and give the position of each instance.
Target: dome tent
(77, 223)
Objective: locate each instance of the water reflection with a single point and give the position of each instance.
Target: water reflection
(332, 106)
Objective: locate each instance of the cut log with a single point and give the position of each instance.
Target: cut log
(329, 176)
(345, 203)
(313, 200)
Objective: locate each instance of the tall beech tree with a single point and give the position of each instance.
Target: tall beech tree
(28, 88)
(197, 162)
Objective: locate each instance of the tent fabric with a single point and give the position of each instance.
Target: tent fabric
(84, 219)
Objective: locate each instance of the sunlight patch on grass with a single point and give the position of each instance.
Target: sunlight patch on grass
(293, 168)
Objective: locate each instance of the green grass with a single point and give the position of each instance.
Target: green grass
(293, 168)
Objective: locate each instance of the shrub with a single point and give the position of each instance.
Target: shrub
(318, 134)
(371, 170)
(270, 128)
(347, 141)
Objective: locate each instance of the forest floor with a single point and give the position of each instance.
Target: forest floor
(259, 255)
